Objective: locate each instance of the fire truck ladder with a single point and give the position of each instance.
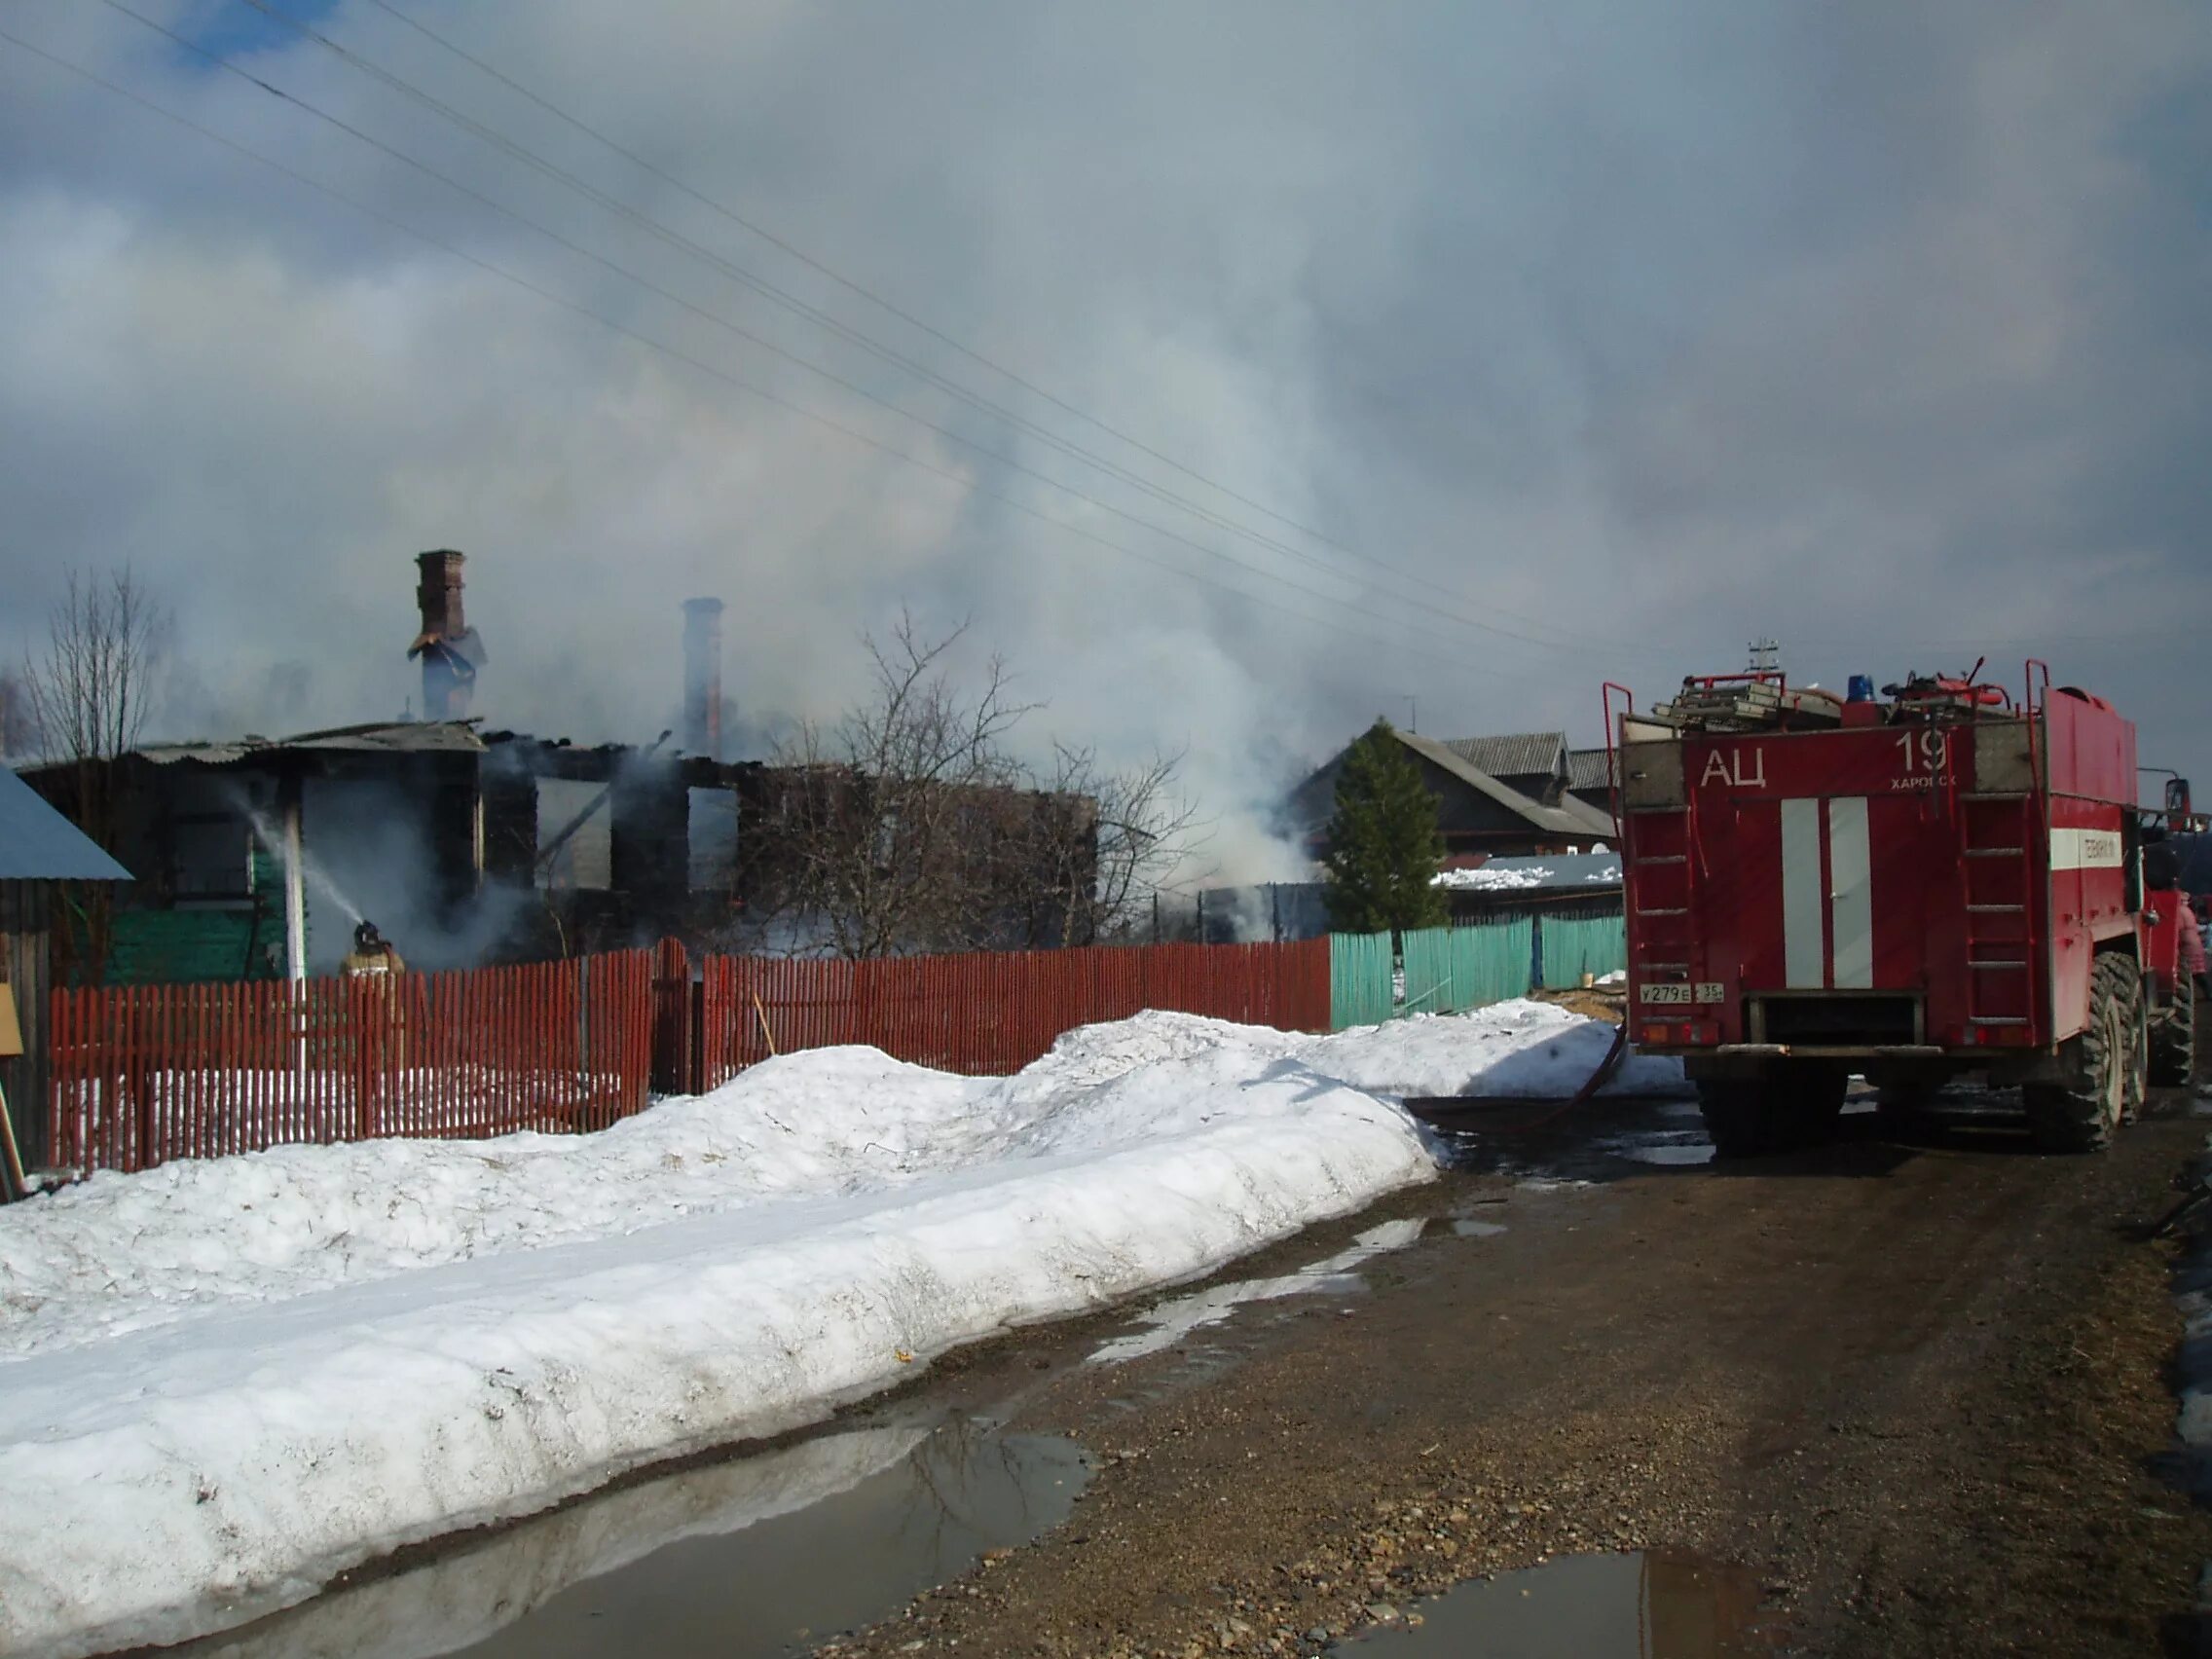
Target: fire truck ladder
(1665, 861)
(1997, 832)
(1663, 843)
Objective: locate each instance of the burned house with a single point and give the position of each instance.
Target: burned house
(259, 856)
(233, 883)
(907, 863)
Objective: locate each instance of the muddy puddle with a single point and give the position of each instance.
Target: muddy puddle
(1168, 1324)
(758, 1556)
(1654, 1604)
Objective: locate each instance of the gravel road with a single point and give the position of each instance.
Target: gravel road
(1915, 1395)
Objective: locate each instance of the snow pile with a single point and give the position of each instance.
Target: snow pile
(226, 1381)
(1520, 1048)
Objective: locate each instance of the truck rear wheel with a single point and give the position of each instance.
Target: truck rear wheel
(2173, 1040)
(2138, 996)
(2080, 1115)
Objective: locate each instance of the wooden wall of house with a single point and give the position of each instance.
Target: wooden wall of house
(25, 920)
(1462, 809)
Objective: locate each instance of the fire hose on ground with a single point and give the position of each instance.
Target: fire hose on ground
(1597, 1079)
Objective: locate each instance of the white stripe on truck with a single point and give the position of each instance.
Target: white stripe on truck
(1803, 950)
(1851, 895)
(2084, 849)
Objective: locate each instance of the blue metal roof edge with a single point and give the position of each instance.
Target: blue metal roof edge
(39, 844)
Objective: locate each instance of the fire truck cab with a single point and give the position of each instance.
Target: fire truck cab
(1914, 886)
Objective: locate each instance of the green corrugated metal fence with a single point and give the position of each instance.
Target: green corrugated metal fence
(1449, 970)
(1361, 967)
(1575, 945)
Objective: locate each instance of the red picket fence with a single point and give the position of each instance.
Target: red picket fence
(991, 1013)
(141, 1074)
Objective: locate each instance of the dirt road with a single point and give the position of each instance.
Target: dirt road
(1916, 1394)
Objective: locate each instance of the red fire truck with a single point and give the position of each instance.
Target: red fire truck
(1914, 886)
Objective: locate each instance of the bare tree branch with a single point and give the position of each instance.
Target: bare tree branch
(908, 824)
(88, 695)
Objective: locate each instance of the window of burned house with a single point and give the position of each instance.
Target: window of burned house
(712, 830)
(585, 854)
(209, 838)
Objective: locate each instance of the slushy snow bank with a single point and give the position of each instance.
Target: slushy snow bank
(225, 1381)
(1533, 1049)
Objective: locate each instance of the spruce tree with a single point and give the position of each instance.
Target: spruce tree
(1384, 847)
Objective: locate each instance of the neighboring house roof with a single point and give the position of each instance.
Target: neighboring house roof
(38, 844)
(1593, 820)
(1583, 872)
(1586, 769)
(1569, 818)
(1520, 756)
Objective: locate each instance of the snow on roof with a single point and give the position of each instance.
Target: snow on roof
(1564, 873)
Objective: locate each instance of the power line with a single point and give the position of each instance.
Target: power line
(965, 484)
(716, 320)
(790, 302)
(862, 290)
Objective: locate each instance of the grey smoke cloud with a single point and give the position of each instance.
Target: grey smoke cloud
(1876, 328)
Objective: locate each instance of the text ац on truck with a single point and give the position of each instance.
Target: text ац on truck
(1914, 886)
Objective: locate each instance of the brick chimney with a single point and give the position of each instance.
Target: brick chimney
(439, 596)
(449, 647)
(703, 677)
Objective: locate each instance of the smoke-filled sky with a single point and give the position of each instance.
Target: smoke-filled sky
(1569, 341)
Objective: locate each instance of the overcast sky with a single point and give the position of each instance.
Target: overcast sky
(1508, 349)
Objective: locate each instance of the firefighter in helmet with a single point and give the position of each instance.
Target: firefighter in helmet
(376, 966)
(372, 953)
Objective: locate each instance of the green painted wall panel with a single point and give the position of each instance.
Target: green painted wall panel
(194, 947)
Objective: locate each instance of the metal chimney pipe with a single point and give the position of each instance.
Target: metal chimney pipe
(703, 677)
